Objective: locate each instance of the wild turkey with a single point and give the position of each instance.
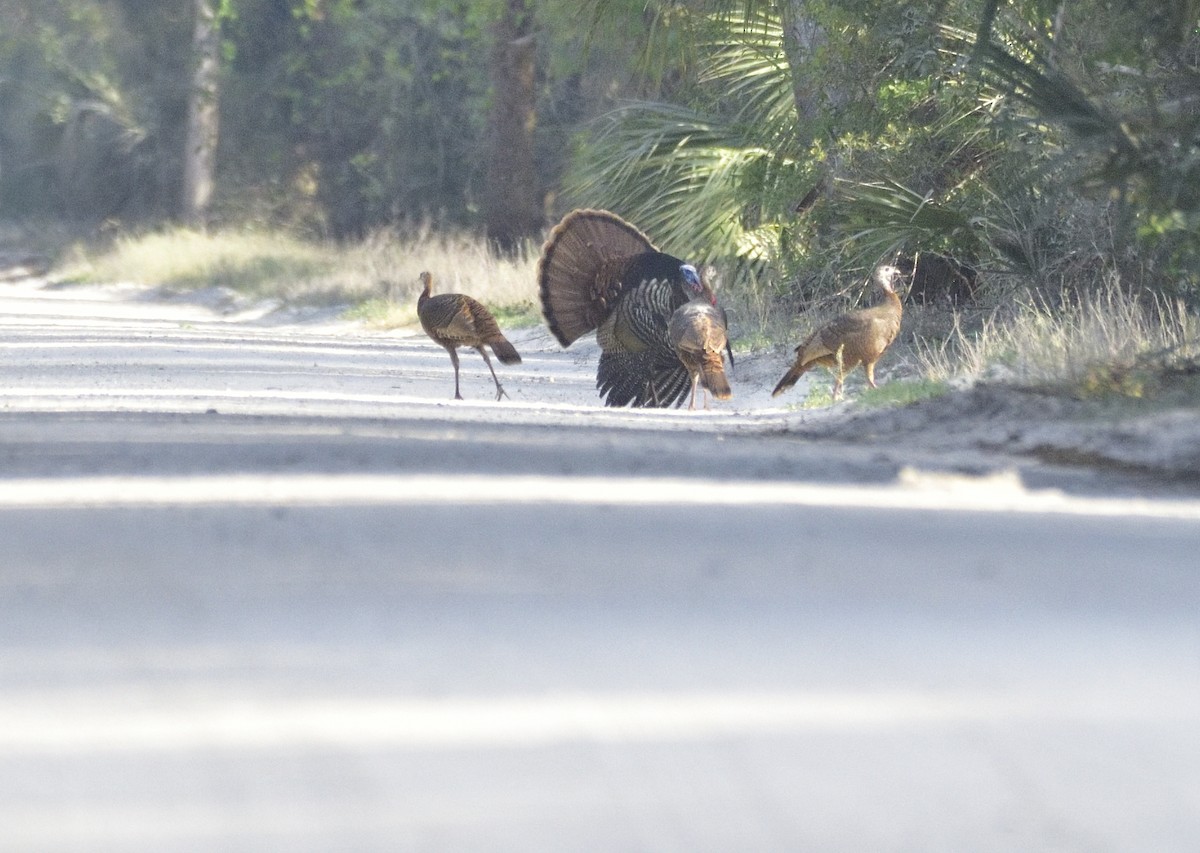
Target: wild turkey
(456, 320)
(599, 273)
(859, 337)
(697, 334)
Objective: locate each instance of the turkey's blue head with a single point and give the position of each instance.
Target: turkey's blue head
(691, 280)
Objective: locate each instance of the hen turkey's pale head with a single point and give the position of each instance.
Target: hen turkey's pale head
(887, 277)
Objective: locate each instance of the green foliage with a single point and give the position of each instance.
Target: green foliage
(339, 116)
(881, 219)
(723, 177)
(902, 392)
(1050, 145)
(520, 314)
(1172, 238)
(709, 183)
(878, 110)
(84, 96)
(1115, 96)
(680, 175)
(384, 101)
(820, 396)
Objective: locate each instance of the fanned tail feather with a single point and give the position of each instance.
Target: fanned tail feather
(575, 257)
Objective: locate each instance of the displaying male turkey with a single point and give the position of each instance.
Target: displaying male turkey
(456, 320)
(600, 273)
(697, 333)
(845, 342)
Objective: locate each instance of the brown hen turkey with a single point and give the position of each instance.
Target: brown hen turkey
(456, 320)
(697, 331)
(858, 337)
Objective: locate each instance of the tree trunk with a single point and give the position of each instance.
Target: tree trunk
(802, 38)
(512, 199)
(200, 147)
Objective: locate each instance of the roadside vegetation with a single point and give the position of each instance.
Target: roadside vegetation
(1089, 343)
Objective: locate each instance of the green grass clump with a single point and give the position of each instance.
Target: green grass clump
(903, 392)
(895, 393)
(517, 314)
(381, 313)
(818, 397)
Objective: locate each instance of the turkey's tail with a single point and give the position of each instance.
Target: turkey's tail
(789, 379)
(712, 374)
(504, 350)
(570, 272)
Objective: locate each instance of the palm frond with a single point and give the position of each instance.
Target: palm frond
(677, 173)
(699, 180)
(1109, 141)
(751, 68)
(882, 218)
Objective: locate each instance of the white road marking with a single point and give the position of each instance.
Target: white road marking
(106, 723)
(914, 490)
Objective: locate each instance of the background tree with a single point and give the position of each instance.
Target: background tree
(512, 197)
(1113, 95)
(91, 107)
(200, 146)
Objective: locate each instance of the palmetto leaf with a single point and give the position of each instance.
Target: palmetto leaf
(1053, 96)
(753, 72)
(880, 219)
(688, 177)
(677, 173)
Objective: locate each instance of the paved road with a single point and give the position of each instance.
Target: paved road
(266, 588)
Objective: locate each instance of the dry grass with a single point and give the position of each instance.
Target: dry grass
(1094, 343)
(254, 263)
(377, 276)
(756, 320)
(460, 263)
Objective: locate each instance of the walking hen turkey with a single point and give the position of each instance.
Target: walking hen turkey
(859, 337)
(456, 320)
(697, 333)
(599, 273)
